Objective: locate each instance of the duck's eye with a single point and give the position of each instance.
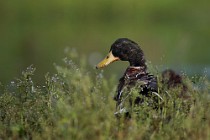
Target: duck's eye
(107, 57)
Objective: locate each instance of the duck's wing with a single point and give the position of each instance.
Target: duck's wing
(120, 89)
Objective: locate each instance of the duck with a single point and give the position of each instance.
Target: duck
(135, 76)
(173, 80)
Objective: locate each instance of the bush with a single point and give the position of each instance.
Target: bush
(77, 104)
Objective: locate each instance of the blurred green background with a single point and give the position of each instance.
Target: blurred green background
(172, 33)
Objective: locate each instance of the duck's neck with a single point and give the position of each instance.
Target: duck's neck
(137, 59)
(138, 63)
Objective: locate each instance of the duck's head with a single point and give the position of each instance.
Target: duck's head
(125, 50)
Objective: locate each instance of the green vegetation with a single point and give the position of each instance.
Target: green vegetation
(78, 104)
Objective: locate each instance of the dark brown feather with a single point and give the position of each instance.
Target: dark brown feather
(134, 76)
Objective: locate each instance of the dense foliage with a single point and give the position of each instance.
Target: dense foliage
(78, 104)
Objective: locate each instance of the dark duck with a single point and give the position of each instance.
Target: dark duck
(135, 75)
(173, 80)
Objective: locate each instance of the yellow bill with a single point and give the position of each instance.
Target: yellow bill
(107, 60)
